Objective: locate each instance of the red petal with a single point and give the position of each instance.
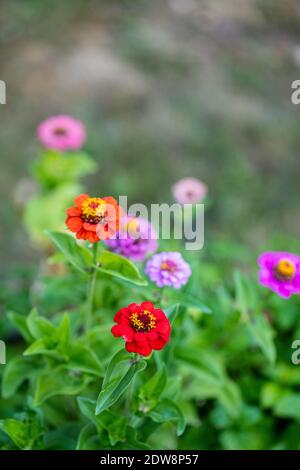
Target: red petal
(74, 223)
(90, 227)
(91, 237)
(147, 306)
(140, 337)
(158, 343)
(134, 308)
(124, 331)
(110, 200)
(74, 212)
(131, 346)
(144, 349)
(81, 235)
(122, 315)
(79, 200)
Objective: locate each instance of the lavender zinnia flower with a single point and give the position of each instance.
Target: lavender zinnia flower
(168, 269)
(189, 191)
(136, 239)
(280, 271)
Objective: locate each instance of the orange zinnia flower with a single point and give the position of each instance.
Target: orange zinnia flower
(94, 218)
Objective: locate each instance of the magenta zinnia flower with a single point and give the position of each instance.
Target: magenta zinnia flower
(189, 191)
(136, 239)
(280, 271)
(168, 269)
(61, 133)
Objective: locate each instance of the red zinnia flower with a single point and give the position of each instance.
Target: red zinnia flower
(143, 327)
(94, 218)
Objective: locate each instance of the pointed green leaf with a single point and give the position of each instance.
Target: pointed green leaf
(120, 267)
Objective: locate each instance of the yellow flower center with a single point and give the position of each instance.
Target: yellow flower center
(93, 209)
(142, 322)
(168, 266)
(131, 226)
(285, 269)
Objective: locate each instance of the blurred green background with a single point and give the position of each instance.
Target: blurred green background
(167, 88)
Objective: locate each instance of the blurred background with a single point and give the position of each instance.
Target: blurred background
(167, 89)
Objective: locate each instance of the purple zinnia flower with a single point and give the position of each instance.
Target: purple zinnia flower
(280, 271)
(189, 191)
(61, 133)
(168, 269)
(136, 239)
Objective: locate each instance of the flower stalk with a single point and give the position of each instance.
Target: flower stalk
(91, 290)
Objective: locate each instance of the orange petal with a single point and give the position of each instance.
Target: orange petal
(81, 235)
(74, 223)
(110, 200)
(74, 212)
(79, 200)
(92, 237)
(89, 227)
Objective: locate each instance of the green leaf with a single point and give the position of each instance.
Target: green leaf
(288, 407)
(211, 379)
(76, 255)
(15, 373)
(59, 381)
(117, 430)
(38, 326)
(253, 317)
(117, 358)
(52, 341)
(151, 390)
(167, 411)
(24, 434)
(120, 267)
(172, 312)
(84, 359)
(112, 392)
(20, 322)
(114, 425)
(88, 439)
(189, 300)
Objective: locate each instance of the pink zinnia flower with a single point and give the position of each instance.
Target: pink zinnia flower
(280, 271)
(136, 239)
(168, 269)
(189, 191)
(61, 133)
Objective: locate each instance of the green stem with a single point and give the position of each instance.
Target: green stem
(129, 395)
(161, 295)
(91, 290)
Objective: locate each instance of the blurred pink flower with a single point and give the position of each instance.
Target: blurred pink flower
(189, 191)
(61, 133)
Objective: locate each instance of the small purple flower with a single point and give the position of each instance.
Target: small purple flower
(280, 271)
(61, 133)
(189, 191)
(136, 239)
(168, 269)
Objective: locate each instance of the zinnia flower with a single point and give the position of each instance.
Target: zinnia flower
(143, 327)
(280, 271)
(136, 239)
(168, 269)
(94, 218)
(189, 191)
(61, 133)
